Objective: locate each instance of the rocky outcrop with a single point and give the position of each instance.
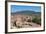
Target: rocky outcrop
(20, 20)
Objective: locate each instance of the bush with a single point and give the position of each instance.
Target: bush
(36, 20)
(29, 20)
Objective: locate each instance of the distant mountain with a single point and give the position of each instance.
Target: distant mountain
(27, 12)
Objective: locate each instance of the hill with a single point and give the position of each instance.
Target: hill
(26, 12)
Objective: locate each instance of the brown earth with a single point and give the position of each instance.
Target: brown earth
(22, 21)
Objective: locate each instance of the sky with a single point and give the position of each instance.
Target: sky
(15, 8)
